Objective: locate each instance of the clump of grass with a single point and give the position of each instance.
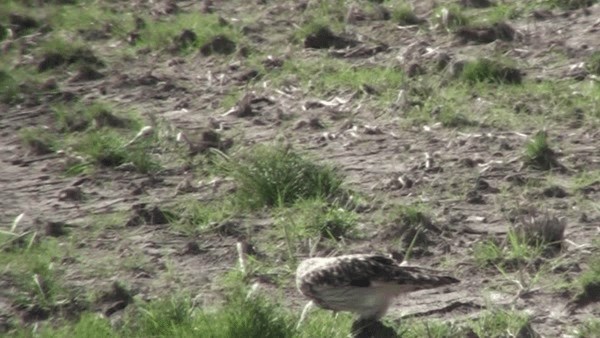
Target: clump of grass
(323, 15)
(312, 27)
(588, 283)
(93, 131)
(585, 179)
(539, 154)
(3, 32)
(453, 119)
(451, 17)
(513, 252)
(589, 328)
(278, 176)
(413, 222)
(430, 329)
(170, 316)
(488, 252)
(330, 76)
(107, 148)
(82, 17)
(502, 13)
(320, 323)
(204, 27)
(61, 45)
(194, 217)
(39, 140)
(9, 87)
(347, 76)
(240, 315)
(80, 117)
(404, 15)
(88, 325)
(316, 217)
(255, 317)
(58, 51)
(334, 222)
(593, 63)
(178, 316)
(502, 323)
(32, 267)
(486, 70)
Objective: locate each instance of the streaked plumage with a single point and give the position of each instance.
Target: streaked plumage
(362, 284)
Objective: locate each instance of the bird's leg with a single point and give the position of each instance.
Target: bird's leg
(371, 327)
(307, 307)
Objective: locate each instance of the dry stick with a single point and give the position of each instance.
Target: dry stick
(36, 279)
(16, 222)
(241, 257)
(412, 243)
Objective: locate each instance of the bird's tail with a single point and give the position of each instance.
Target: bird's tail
(423, 278)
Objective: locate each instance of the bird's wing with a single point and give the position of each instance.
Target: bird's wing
(370, 270)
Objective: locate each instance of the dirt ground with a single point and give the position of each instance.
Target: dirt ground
(363, 140)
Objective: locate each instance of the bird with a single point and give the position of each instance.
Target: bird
(363, 284)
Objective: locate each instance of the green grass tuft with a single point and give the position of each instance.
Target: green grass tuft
(323, 15)
(62, 50)
(538, 152)
(453, 119)
(321, 323)
(163, 318)
(593, 63)
(318, 218)
(86, 16)
(39, 140)
(486, 70)
(454, 19)
(404, 15)
(162, 33)
(9, 87)
(32, 266)
(589, 282)
(107, 148)
(178, 316)
(330, 76)
(502, 12)
(514, 252)
(95, 115)
(104, 147)
(412, 215)
(195, 217)
(276, 176)
(589, 328)
(502, 323)
(311, 27)
(413, 225)
(93, 131)
(89, 325)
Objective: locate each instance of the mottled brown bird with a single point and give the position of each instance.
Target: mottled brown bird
(362, 284)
